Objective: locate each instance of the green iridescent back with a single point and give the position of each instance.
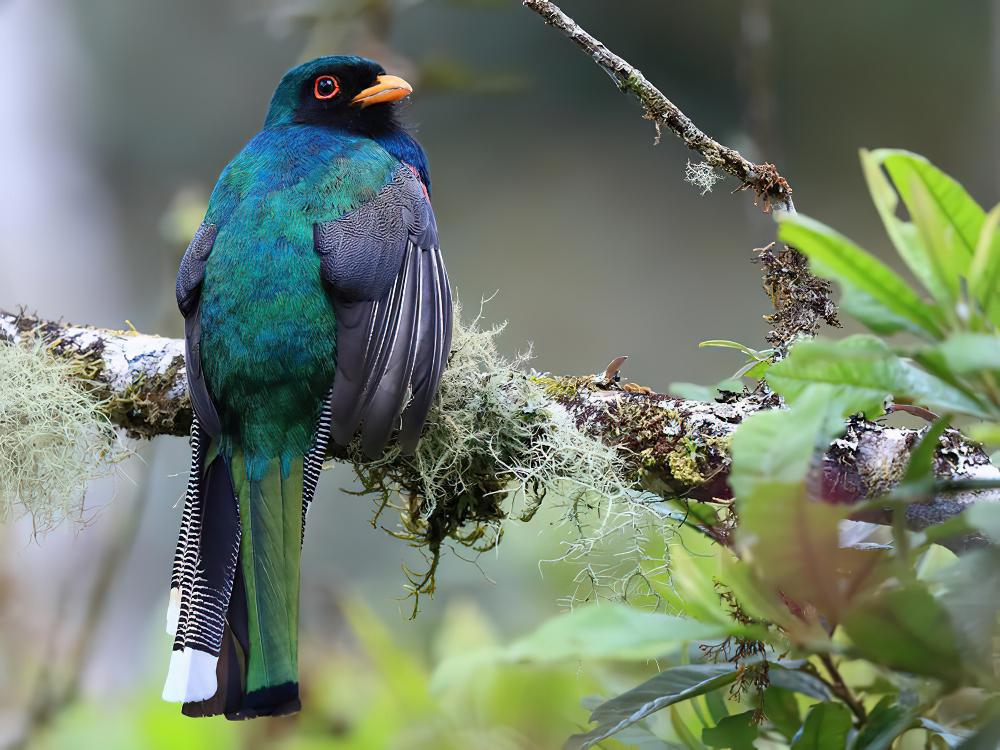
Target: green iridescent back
(269, 332)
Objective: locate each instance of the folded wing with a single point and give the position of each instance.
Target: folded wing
(390, 291)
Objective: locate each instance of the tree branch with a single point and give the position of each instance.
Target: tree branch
(139, 378)
(672, 447)
(768, 185)
(802, 301)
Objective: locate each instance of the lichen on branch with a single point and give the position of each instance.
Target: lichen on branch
(501, 438)
(54, 437)
(138, 379)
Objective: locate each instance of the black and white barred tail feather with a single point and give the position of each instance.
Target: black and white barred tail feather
(202, 580)
(185, 558)
(312, 465)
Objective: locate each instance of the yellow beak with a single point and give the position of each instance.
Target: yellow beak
(386, 89)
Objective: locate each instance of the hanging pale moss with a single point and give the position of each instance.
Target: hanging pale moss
(495, 445)
(53, 437)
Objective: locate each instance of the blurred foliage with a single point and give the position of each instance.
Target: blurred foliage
(366, 691)
(807, 634)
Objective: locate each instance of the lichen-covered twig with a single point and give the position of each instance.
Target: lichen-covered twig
(668, 446)
(802, 301)
(767, 184)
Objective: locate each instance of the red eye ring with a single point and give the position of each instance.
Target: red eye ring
(322, 88)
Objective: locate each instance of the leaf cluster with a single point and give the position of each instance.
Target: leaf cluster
(820, 631)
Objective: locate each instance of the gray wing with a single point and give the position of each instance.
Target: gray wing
(393, 305)
(189, 279)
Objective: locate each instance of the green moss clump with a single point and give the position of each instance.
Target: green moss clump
(54, 437)
(683, 463)
(494, 446)
(561, 387)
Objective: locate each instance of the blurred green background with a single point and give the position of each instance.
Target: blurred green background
(115, 119)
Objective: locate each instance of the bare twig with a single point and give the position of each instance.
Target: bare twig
(767, 184)
(841, 690)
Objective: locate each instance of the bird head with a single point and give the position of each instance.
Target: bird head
(353, 93)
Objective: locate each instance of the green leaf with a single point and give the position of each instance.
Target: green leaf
(984, 274)
(754, 370)
(610, 631)
(906, 628)
(797, 681)
(777, 447)
(949, 259)
(736, 732)
(665, 689)
(792, 543)
(782, 710)
(715, 701)
(986, 518)
(972, 596)
(683, 732)
(987, 738)
(863, 372)
(835, 257)
(954, 205)
(885, 723)
(931, 359)
(987, 432)
(860, 369)
(762, 603)
(640, 738)
(826, 728)
(726, 344)
(874, 314)
(904, 235)
(971, 352)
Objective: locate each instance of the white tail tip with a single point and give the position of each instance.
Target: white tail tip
(191, 676)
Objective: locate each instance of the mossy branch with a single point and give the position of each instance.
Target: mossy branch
(138, 378)
(497, 426)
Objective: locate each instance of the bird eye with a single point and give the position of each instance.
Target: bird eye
(326, 87)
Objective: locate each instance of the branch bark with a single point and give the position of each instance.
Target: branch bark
(671, 446)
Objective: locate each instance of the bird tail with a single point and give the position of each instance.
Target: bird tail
(265, 624)
(234, 598)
